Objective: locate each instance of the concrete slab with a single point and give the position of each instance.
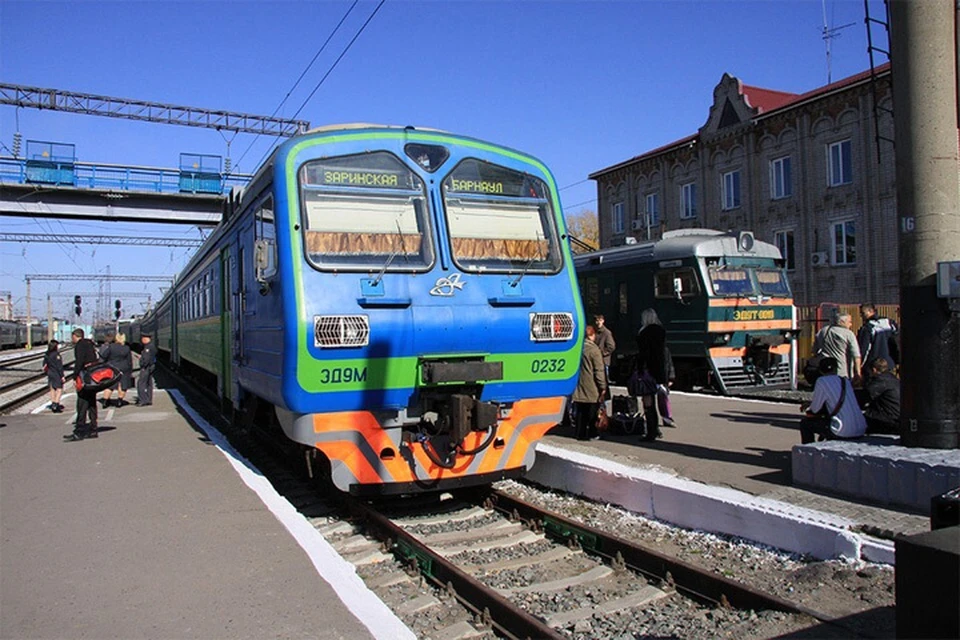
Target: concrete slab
(149, 532)
(727, 469)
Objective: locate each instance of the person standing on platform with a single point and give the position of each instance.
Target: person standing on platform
(837, 341)
(833, 412)
(655, 368)
(119, 356)
(148, 360)
(877, 338)
(53, 367)
(85, 352)
(591, 388)
(606, 343)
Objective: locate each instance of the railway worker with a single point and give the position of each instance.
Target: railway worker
(119, 355)
(84, 352)
(833, 412)
(148, 360)
(591, 388)
(53, 367)
(877, 338)
(837, 341)
(654, 367)
(606, 343)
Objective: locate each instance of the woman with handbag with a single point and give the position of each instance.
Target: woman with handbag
(833, 411)
(653, 373)
(53, 367)
(591, 388)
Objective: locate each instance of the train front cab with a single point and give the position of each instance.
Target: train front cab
(421, 350)
(751, 323)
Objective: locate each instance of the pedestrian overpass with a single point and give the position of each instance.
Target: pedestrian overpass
(49, 182)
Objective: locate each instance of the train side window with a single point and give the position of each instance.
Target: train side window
(623, 299)
(266, 243)
(592, 289)
(667, 279)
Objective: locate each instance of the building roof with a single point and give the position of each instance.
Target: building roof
(766, 102)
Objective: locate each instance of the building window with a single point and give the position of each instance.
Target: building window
(839, 163)
(652, 209)
(688, 200)
(845, 242)
(617, 215)
(781, 181)
(784, 242)
(731, 190)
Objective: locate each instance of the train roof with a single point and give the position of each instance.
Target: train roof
(682, 243)
(366, 125)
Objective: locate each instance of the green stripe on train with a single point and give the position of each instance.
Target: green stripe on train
(317, 376)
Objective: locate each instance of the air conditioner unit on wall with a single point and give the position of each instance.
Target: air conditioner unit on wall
(637, 225)
(819, 259)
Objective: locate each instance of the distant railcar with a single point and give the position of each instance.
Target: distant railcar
(398, 302)
(723, 298)
(13, 335)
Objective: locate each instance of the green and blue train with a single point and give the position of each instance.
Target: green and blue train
(723, 298)
(400, 302)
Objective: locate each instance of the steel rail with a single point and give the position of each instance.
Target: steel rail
(505, 616)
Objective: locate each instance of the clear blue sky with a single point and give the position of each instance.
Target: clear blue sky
(581, 85)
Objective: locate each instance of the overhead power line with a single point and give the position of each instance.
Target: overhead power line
(84, 239)
(73, 277)
(97, 105)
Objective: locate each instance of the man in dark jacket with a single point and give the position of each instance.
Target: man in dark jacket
(877, 338)
(85, 352)
(606, 343)
(148, 360)
(880, 398)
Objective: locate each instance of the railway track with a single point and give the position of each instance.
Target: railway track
(485, 564)
(22, 379)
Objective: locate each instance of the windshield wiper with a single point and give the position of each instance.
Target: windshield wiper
(403, 247)
(529, 264)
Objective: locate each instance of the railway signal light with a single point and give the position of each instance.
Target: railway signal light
(116, 309)
(76, 301)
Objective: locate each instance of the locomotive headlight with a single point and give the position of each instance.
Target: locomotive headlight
(551, 327)
(722, 338)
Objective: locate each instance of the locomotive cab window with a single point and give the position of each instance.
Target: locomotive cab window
(266, 242)
(731, 281)
(667, 281)
(773, 282)
(363, 213)
(500, 220)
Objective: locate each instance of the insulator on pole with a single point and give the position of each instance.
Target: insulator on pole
(17, 143)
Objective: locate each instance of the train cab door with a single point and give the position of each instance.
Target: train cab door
(242, 289)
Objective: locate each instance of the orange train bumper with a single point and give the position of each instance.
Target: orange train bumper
(363, 453)
(738, 352)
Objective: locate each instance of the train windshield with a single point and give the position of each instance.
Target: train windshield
(731, 281)
(500, 220)
(773, 282)
(362, 212)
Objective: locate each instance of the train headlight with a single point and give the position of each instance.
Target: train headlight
(551, 327)
(722, 338)
(341, 331)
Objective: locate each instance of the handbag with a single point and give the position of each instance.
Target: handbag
(641, 384)
(603, 421)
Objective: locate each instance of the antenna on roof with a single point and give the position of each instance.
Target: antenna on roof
(828, 34)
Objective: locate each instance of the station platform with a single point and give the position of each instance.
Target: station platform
(729, 468)
(157, 530)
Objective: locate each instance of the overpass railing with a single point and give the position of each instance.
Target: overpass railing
(87, 175)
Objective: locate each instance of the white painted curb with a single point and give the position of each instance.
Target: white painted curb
(340, 574)
(667, 497)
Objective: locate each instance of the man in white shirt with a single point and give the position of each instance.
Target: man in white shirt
(832, 396)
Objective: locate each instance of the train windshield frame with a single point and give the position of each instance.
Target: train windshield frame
(364, 212)
(500, 220)
(729, 281)
(773, 282)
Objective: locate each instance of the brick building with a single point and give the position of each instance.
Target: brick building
(803, 171)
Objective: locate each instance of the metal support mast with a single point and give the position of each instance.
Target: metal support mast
(924, 57)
